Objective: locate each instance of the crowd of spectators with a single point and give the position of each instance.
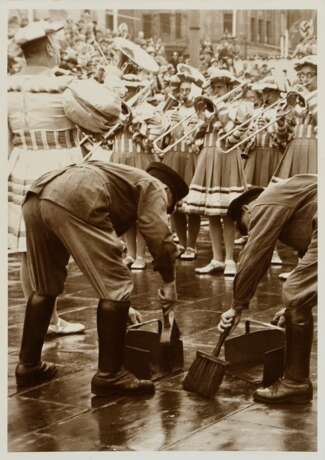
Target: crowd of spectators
(86, 48)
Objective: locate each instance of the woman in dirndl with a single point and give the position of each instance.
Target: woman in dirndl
(183, 159)
(218, 179)
(131, 145)
(299, 129)
(264, 151)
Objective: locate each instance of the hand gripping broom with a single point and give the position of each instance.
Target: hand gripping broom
(206, 372)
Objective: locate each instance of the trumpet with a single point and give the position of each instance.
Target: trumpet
(200, 102)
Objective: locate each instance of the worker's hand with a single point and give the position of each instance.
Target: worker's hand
(229, 318)
(167, 293)
(134, 316)
(279, 318)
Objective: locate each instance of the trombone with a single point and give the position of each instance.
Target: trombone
(188, 118)
(282, 103)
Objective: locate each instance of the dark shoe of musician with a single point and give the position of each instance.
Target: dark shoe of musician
(295, 387)
(122, 382)
(31, 370)
(111, 377)
(34, 375)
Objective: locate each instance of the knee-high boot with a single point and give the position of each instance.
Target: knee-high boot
(295, 387)
(31, 370)
(111, 377)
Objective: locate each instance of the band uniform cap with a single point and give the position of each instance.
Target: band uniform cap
(170, 178)
(267, 83)
(234, 210)
(221, 74)
(36, 30)
(306, 60)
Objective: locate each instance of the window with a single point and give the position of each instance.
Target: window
(268, 32)
(147, 22)
(178, 25)
(165, 23)
(227, 23)
(260, 31)
(253, 30)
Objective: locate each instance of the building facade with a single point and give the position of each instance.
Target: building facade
(256, 32)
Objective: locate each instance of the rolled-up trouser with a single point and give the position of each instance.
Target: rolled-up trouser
(300, 289)
(53, 234)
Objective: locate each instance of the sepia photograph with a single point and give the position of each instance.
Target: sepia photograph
(161, 227)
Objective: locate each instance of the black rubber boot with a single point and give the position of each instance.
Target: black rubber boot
(31, 370)
(295, 387)
(111, 377)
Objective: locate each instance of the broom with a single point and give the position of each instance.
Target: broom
(206, 372)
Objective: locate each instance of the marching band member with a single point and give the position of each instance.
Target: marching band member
(131, 146)
(183, 159)
(263, 151)
(42, 136)
(218, 178)
(300, 129)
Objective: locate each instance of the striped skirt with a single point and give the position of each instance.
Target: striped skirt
(24, 167)
(300, 157)
(218, 179)
(260, 166)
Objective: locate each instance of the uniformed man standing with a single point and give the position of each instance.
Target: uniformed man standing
(286, 211)
(81, 210)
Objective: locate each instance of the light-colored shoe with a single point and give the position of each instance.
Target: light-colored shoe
(230, 268)
(65, 328)
(213, 266)
(128, 261)
(188, 254)
(276, 259)
(284, 276)
(241, 241)
(138, 264)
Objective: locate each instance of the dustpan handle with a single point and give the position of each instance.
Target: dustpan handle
(222, 338)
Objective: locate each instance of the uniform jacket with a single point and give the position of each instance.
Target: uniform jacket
(113, 196)
(286, 211)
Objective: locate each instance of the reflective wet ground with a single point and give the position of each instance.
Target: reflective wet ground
(62, 415)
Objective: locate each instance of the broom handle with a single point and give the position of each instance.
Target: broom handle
(222, 338)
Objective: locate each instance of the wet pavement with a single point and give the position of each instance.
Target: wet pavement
(62, 415)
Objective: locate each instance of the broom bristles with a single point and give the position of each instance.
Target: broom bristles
(205, 375)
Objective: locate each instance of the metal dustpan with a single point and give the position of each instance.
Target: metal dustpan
(263, 346)
(144, 354)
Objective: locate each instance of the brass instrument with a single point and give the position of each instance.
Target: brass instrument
(285, 103)
(200, 103)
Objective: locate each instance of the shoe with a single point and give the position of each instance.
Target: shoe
(188, 254)
(180, 250)
(138, 264)
(284, 276)
(230, 268)
(128, 261)
(122, 382)
(213, 266)
(112, 377)
(65, 328)
(34, 375)
(285, 391)
(276, 259)
(31, 370)
(241, 241)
